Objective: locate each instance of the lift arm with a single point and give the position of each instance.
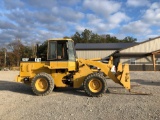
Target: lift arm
(121, 77)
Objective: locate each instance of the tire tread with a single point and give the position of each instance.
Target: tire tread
(104, 84)
(50, 82)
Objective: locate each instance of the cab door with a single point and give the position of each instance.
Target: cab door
(62, 56)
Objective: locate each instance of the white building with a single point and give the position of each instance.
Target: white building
(140, 56)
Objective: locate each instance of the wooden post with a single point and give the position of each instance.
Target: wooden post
(154, 62)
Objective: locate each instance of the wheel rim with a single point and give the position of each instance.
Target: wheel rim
(41, 84)
(95, 85)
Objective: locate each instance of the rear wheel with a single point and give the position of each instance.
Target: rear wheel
(42, 84)
(95, 85)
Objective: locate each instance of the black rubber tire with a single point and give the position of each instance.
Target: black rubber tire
(101, 78)
(49, 80)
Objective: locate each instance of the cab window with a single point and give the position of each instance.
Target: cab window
(52, 53)
(61, 51)
(57, 50)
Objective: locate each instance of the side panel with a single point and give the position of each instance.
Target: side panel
(58, 71)
(58, 76)
(30, 69)
(62, 65)
(79, 77)
(71, 66)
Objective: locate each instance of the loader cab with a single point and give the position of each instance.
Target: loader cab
(63, 52)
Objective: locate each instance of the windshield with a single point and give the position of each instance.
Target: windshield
(71, 51)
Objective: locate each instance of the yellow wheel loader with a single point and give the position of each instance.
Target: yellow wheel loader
(62, 68)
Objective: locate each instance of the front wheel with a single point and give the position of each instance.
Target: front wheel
(42, 84)
(95, 85)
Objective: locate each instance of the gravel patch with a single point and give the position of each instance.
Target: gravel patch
(18, 102)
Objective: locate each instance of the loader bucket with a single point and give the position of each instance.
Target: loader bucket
(125, 78)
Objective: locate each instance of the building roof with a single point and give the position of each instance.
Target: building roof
(150, 39)
(103, 46)
(142, 52)
(59, 39)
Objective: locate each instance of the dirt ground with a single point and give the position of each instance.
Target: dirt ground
(17, 101)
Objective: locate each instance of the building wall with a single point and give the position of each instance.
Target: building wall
(146, 47)
(138, 60)
(88, 54)
(141, 63)
(143, 67)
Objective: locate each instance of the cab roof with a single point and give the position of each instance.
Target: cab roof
(59, 39)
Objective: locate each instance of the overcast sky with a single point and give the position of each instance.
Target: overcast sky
(38, 20)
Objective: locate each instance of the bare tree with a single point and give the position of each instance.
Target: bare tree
(16, 47)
